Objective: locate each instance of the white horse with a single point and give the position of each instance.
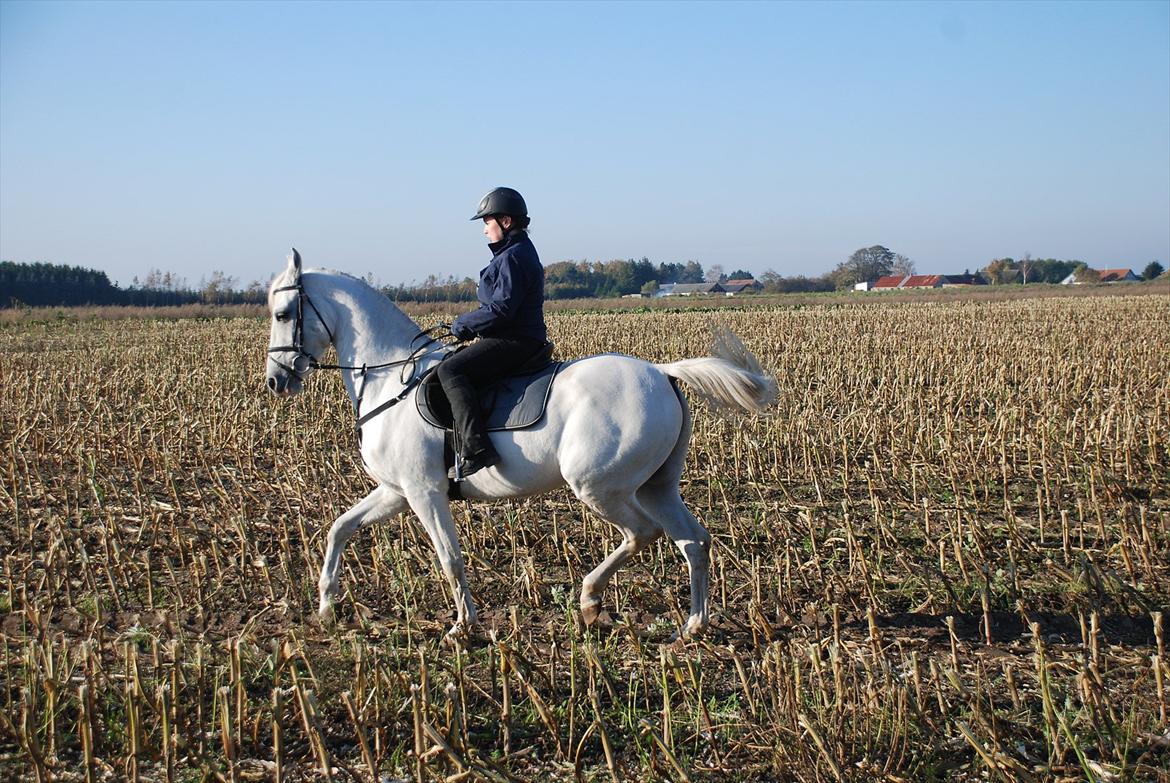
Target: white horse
(616, 431)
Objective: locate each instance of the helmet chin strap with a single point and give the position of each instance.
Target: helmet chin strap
(503, 231)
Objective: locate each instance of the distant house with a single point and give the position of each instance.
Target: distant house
(1104, 276)
(696, 289)
(743, 285)
(923, 281)
(963, 279)
(898, 282)
(748, 286)
(888, 283)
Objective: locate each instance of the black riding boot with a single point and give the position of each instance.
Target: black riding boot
(475, 450)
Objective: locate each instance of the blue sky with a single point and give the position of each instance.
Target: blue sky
(194, 137)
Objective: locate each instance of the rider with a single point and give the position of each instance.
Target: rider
(509, 324)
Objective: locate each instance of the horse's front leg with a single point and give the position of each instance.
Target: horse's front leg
(378, 505)
(434, 511)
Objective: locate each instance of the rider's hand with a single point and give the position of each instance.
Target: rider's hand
(461, 332)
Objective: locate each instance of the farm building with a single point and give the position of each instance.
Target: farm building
(964, 279)
(896, 282)
(887, 283)
(1117, 276)
(1105, 276)
(745, 285)
(693, 289)
(923, 281)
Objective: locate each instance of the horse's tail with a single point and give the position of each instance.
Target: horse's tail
(731, 378)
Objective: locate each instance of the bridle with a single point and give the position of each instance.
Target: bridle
(433, 342)
(298, 338)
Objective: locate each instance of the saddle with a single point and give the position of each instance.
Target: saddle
(511, 403)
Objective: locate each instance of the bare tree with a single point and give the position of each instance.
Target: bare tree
(256, 291)
(163, 281)
(218, 288)
(1025, 267)
(902, 265)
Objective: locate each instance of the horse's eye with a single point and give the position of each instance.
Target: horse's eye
(282, 316)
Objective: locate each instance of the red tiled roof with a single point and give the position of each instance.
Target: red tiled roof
(1109, 275)
(741, 281)
(889, 281)
(923, 281)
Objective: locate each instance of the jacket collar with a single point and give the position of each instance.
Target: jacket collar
(513, 237)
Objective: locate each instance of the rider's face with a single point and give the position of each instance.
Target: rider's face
(493, 230)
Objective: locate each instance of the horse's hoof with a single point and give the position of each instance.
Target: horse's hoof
(326, 614)
(693, 629)
(590, 612)
(457, 633)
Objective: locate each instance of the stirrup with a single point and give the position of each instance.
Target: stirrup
(476, 462)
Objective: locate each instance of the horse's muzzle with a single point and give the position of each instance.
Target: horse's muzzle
(283, 384)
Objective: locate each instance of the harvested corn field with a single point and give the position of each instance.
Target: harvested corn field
(943, 555)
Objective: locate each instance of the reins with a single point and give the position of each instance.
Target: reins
(408, 379)
(433, 343)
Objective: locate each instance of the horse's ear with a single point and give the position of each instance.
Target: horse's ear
(294, 260)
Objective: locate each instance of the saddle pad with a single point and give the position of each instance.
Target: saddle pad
(511, 403)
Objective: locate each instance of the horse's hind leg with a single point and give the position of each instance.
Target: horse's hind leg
(665, 505)
(637, 533)
(379, 504)
(660, 500)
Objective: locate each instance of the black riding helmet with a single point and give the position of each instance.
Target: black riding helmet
(502, 201)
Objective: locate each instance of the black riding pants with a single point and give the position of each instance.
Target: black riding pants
(468, 371)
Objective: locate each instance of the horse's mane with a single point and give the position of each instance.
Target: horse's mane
(324, 270)
(327, 271)
(389, 309)
(321, 270)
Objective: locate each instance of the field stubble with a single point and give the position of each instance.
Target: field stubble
(944, 555)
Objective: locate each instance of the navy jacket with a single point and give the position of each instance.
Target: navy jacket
(511, 293)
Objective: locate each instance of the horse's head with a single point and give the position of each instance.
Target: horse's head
(298, 333)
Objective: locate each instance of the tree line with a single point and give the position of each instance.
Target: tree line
(57, 285)
(44, 284)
